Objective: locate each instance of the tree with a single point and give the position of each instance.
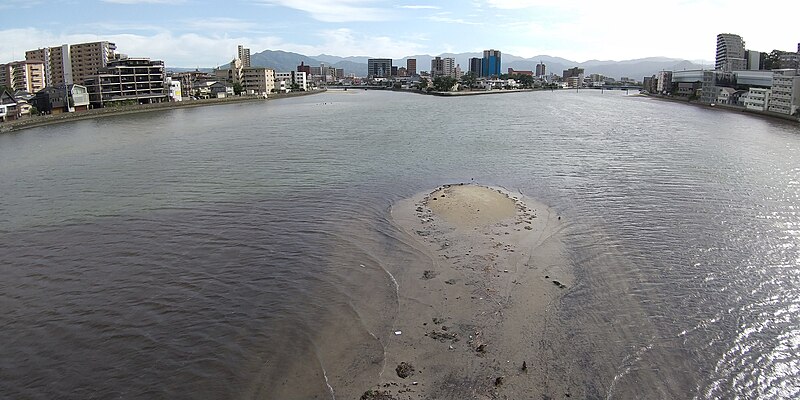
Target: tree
(526, 81)
(423, 83)
(773, 59)
(469, 79)
(3, 88)
(237, 88)
(295, 86)
(444, 83)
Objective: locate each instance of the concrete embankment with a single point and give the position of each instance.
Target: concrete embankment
(725, 107)
(36, 121)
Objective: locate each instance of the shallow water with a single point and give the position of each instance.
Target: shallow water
(241, 251)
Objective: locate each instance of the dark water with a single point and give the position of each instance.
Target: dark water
(241, 251)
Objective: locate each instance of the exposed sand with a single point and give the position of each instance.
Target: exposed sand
(471, 317)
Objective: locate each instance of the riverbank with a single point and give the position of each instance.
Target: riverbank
(37, 121)
(480, 92)
(725, 107)
(470, 322)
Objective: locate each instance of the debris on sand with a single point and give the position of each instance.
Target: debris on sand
(498, 381)
(444, 336)
(481, 348)
(429, 274)
(404, 370)
(376, 395)
(560, 285)
(524, 366)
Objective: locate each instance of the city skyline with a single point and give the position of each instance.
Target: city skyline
(187, 34)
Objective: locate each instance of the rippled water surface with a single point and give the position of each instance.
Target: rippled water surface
(241, 251)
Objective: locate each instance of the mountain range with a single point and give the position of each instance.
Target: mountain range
(636, 69)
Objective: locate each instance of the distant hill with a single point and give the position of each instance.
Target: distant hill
(635, 69)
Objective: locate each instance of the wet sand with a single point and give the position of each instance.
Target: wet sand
(472, 316)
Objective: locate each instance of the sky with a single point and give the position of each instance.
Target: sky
(186, 33)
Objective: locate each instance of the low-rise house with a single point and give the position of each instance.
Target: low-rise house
(220, 90)
(62, 98)
(8, 107)
(724, 95)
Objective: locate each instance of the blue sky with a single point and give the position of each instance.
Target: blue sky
(187, 33)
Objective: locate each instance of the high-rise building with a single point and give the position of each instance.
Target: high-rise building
(754, 60)
(490, 65)
(475, 66)
(730, 53)
(244, 55)
(68, 64)
(444, 67)
(379, 67)
(411, 65)
(541, 69)
(23, 75)
(304, 68)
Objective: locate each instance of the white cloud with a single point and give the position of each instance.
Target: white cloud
(204, 50)
(518, 4)
(177, 50)
(420, 7)
(336, 10)
(145, 1)
(448, 20)
(219, 24)
(346, 42)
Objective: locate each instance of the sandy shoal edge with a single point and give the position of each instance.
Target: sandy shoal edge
(476, 311)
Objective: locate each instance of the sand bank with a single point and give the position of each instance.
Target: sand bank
(472, 316)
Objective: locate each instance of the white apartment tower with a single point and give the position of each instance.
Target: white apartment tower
(730, 53)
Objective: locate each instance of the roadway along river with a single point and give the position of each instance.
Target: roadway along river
(217, 252)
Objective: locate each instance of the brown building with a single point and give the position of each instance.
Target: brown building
(304, 68)
(411, 66)
(512, 71)
(68, 64)
(23, 75)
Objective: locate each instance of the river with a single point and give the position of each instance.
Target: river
(239, 251)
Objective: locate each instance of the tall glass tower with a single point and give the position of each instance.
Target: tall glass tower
(490, 64)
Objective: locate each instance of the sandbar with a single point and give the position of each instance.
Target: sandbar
(471, 320)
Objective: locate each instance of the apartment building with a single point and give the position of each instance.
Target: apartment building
(757, 99)
(285, 80)
(730, 53)
(68, 64)
(23, 75)
(443, 67)
(785, 97)
(258, 81)
(244, 55)
(126, 79)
